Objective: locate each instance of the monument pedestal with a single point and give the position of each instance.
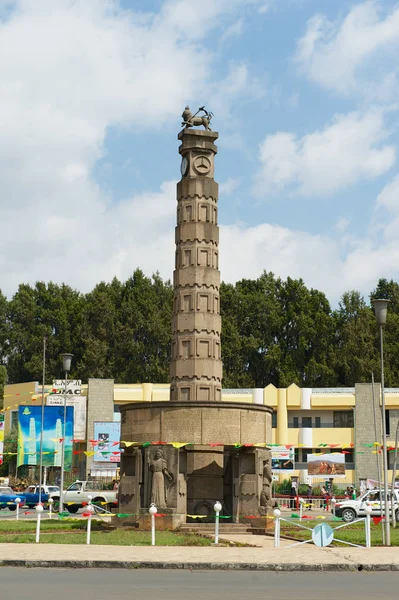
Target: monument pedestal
(208, 468)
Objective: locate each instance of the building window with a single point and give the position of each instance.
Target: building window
(306, 421)
(343, 418)
(387, 423)
(318, 422)
(305, 452)
(295, 421)
(14, 419)
(274, 420)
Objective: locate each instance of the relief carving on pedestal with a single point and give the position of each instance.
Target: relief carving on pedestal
(266, 500)
(161, 481)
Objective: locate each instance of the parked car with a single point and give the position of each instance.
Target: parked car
(77, 495)
(8, 496)
(349, 510)
(32, 494)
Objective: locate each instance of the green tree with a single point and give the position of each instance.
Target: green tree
(34, 312)
(143, 333)
(390, 291)
(355, 350)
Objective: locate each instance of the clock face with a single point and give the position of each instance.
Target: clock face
(184, 166)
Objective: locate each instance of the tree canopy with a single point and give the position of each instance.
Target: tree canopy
(273, 331)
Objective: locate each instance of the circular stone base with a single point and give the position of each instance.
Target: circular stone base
(225, 423)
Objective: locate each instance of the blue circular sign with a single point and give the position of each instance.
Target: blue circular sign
(322, 535)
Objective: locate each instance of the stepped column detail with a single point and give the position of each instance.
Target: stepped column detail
(196, 366)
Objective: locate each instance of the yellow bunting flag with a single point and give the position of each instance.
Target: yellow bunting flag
(89, 452)
(179, 444)
(128, 444)
(197, 516)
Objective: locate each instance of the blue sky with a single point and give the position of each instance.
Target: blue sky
(304, 94)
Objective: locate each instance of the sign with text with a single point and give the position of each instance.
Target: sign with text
(283, 459)
(79, 413)
(108, 435)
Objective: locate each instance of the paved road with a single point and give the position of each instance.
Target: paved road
(116, 584)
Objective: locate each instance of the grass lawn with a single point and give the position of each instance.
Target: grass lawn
(74, 532)
(352, 533)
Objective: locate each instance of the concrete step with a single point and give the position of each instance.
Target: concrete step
(209, 528)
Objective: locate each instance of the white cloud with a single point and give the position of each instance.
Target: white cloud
(74, 68)
(228, 187)
(335, 54)
(351, 148)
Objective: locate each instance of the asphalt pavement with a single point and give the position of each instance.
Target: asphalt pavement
(119, 584)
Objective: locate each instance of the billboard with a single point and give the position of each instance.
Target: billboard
(75, 399)
(108, 435)
(320, 465)
(29, 428)
(283, 459)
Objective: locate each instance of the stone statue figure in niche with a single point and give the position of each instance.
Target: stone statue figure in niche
(265, 496)
(190, 120)
(159, 470)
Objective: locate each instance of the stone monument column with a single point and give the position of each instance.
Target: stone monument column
(196, 366)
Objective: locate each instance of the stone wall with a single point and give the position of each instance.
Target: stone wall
(100, 407)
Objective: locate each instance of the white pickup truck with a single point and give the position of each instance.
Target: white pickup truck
(350, 510)
(77, 495)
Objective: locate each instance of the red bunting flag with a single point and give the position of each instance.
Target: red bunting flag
(377, 520)
(115, 443)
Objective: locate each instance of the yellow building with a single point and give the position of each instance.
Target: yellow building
(318, 420)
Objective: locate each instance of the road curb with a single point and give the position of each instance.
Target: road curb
(206, 566)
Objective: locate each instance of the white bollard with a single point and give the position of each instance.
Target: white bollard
(90, 510)
(301, 503)
(39, 510)
(17, 502)
(368, 510)
(217, 508)
(333, 502)
(277, 515)
(153, 511)
(50, 506)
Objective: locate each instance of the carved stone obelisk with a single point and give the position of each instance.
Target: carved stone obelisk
(196, 366)
(196, 449)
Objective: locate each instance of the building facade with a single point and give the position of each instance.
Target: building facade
(318, 420)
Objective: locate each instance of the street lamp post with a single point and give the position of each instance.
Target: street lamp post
(381, 309)
(66, 364)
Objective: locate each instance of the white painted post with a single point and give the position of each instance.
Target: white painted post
(90, 510)
(17, 502)
(368, 510)
(39, 510)
(333, 502)
(301, 503)
(277, 515)
(50, 506)
(153, 511)
(217, 508)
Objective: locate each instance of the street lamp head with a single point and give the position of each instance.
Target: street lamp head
(66, 362)
(381, 309)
